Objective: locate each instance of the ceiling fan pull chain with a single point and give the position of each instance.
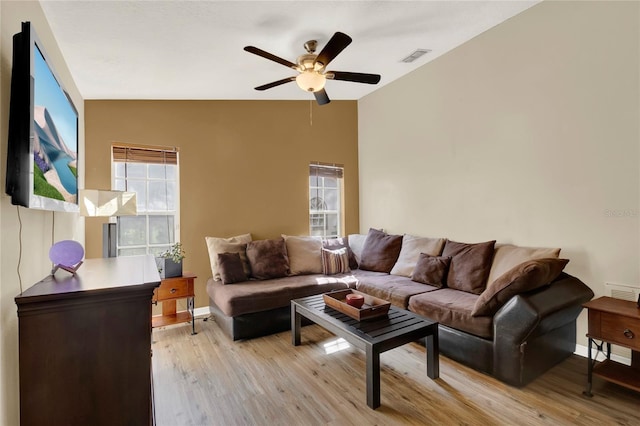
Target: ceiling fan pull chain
(311, 113)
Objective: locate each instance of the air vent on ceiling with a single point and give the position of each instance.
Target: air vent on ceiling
(415, 55)
(619, 291)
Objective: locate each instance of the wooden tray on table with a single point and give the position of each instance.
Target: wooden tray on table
(372, 308)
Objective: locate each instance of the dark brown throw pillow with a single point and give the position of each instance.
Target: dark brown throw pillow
(338, 243)
(268, 258)
(431, 270)
(231, 268)
(524, 277)
(470, 265)
(380, 251)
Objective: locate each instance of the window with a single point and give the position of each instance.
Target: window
(325, 200)
(152, 173)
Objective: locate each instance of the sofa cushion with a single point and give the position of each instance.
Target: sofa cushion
(231, 269)
(380, 251)
(508, 256)
(268, 258)
(470, 265)
(411, 248)
(340, 242)
(393, 288)
(303, 254)
(356, 243)
(452, 308)
(431, 270)
(236, 244)
(522, 278)
(257, 296)
(335, 261)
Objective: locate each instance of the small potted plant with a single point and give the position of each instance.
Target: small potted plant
(170, 262)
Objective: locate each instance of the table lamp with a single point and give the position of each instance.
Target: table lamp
(102, 203)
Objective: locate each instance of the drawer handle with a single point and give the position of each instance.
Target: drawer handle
(173, 290)
(628, 333)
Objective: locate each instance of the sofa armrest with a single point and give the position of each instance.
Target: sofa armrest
(529, 315)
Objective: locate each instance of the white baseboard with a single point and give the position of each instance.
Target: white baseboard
(584, 352)
(204, 312)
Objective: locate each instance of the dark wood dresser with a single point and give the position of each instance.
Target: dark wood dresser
(85, 345)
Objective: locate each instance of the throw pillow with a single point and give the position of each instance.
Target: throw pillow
(268, 259)
(217, 245)
(431, 270)
(524, 277)
(412, 246)
(380, 251)
(304, 254)
(340, 242)
(470, 265)
(231, 269)
(507, 256)
(335, 261)
(356, 242)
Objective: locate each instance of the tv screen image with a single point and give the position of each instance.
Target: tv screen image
(55, 150)
(42, 151)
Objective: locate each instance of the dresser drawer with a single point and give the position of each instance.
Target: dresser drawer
(621, 330)
(173, 288)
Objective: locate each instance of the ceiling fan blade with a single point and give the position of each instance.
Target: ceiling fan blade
(354, 76)
(275, 83)
(336, 44)
(321, 97)
(271, 57)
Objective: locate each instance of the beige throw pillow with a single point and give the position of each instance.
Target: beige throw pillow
(304, 254)
(217, 245)
(356, 242)
(412, 246)
(507, 256)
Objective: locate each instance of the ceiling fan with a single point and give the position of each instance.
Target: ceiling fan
(312, 73)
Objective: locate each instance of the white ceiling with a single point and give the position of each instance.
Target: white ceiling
(194, 49)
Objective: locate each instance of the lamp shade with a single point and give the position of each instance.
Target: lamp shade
(311, 81)
(94, 202)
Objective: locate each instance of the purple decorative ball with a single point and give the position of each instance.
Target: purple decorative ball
(66, 253)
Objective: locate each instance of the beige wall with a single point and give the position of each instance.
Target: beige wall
(37, 232)
(527, 134)
(243, 164)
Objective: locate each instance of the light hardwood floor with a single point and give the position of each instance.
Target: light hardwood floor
(207, 379)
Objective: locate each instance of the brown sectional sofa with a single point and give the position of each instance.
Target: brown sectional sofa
(530, 333)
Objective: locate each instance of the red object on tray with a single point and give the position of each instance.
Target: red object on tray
(355, 300)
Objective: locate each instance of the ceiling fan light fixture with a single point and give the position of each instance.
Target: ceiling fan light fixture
(311, 81)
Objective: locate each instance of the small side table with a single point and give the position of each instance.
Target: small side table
(170, 290)
(613, 321)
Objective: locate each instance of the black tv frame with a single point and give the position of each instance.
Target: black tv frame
(19, 181)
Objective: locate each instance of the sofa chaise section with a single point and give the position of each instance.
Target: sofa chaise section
(257, 308)
(531, 333)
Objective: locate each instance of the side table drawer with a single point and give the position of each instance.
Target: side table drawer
(621, 330)
(174, 288)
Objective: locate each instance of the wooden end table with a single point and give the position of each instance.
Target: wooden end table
(372, 336)
(613, 321)
(170, 290)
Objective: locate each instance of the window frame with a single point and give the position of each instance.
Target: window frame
(324, 171)
(157, 156)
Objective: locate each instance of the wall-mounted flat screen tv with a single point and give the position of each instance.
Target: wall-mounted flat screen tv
(42, 151)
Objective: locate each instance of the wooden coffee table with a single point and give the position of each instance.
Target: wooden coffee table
(372, 336)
